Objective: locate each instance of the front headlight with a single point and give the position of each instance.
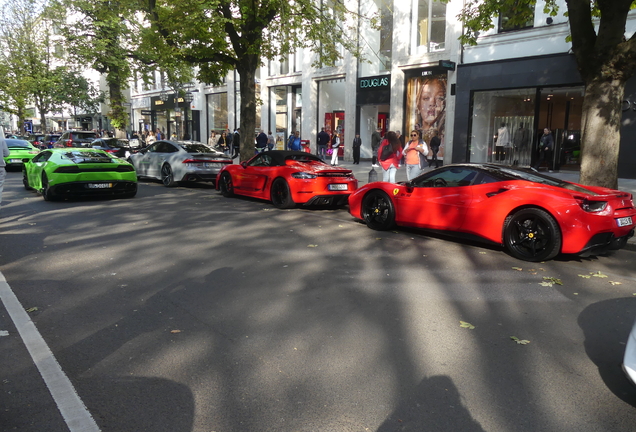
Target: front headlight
(304, 175)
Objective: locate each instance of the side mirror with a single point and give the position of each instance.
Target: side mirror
(244, 164)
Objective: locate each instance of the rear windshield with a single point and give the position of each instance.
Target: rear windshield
(116, 143)
(198, 148)
(86, 156)
(18, 143)
(83, 135)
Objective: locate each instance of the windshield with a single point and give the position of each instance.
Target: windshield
(307, 157)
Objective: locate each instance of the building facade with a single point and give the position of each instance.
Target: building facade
(488, 103)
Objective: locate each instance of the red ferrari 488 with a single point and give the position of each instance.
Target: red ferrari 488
(287, 178)
(534, 216)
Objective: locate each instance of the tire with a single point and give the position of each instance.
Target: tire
(378, 211)
(532, 235)
(226, 185)
(25, 180)
(280, 194)
(167, 176)
(47, 194)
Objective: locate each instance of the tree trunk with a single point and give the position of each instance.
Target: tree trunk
(600, 134)
(248, 106)
(118, 116)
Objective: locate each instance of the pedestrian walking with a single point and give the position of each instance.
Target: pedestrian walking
(357, 143)
(222, 143)
(261, 141)
(414, 151)
(323, 142)
(234, 143)
(294, 141)
(213, 139)
(390, 158)
(151, 138)
(335, 145)
(271, 141)
(376, 139)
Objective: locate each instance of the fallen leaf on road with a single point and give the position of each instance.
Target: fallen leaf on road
(33, 309)
(615, 283)
(585, 276)
(598, 274)
(175, 331)
(312, 245)
(520, 341)
(517, 268)
(467, 325)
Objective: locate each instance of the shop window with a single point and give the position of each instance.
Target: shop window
(217, 111)
(502, 126)
(518, 16)
(429, 25)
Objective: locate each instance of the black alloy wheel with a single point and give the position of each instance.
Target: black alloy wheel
(280, 194)
(378, 211)
(47, 194)
(532, 235)
(167, 176)
(226, 185)
(25, 180)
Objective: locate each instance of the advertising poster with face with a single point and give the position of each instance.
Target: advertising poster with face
(426, 106)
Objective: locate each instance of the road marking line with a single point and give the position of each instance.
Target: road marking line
(73, 410)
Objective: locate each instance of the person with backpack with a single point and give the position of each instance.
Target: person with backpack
(389, 156)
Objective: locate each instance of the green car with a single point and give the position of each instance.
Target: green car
(79, 172)
(19, 150)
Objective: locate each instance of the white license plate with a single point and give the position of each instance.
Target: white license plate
(100, 185)
(211, 165)
(624, 221)
(338, 187)
(15, 160)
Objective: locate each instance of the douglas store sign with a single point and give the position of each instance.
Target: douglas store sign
(381, 82)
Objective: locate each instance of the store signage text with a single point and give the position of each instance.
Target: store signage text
(374, 83)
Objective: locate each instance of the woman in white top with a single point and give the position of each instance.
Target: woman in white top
(335, 144)
(151, 138)
(213, 139)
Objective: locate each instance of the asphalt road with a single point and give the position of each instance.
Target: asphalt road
(181, 310)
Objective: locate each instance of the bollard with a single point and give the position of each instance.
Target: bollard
(373, 175)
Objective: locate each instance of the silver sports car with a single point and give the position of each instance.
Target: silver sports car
(179, 161)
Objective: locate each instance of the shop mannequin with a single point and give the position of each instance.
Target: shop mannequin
(503, 141)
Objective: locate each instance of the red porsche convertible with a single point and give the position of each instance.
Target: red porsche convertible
(534, 216)
(287, 178)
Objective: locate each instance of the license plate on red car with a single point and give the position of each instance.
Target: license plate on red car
(624, 221)
(338, 187)
(99, 185)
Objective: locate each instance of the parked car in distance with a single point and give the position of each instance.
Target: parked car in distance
(79, 172)
(534, 216)
(50, 140)
(76, 139)
(287, 178)
(37, 140)
(116, 146)
(19, 150)
(179, 161)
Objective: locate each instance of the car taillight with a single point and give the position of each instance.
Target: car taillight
(303, 175)
(67, 170)
(111, 150)
(592, 206)
(69, 143)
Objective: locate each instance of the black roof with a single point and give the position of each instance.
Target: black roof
(280, 156)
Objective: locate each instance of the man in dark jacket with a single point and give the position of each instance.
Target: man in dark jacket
(323, 141)
(546, 145)
(261, 141)
(357, 143)
(376, 139)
